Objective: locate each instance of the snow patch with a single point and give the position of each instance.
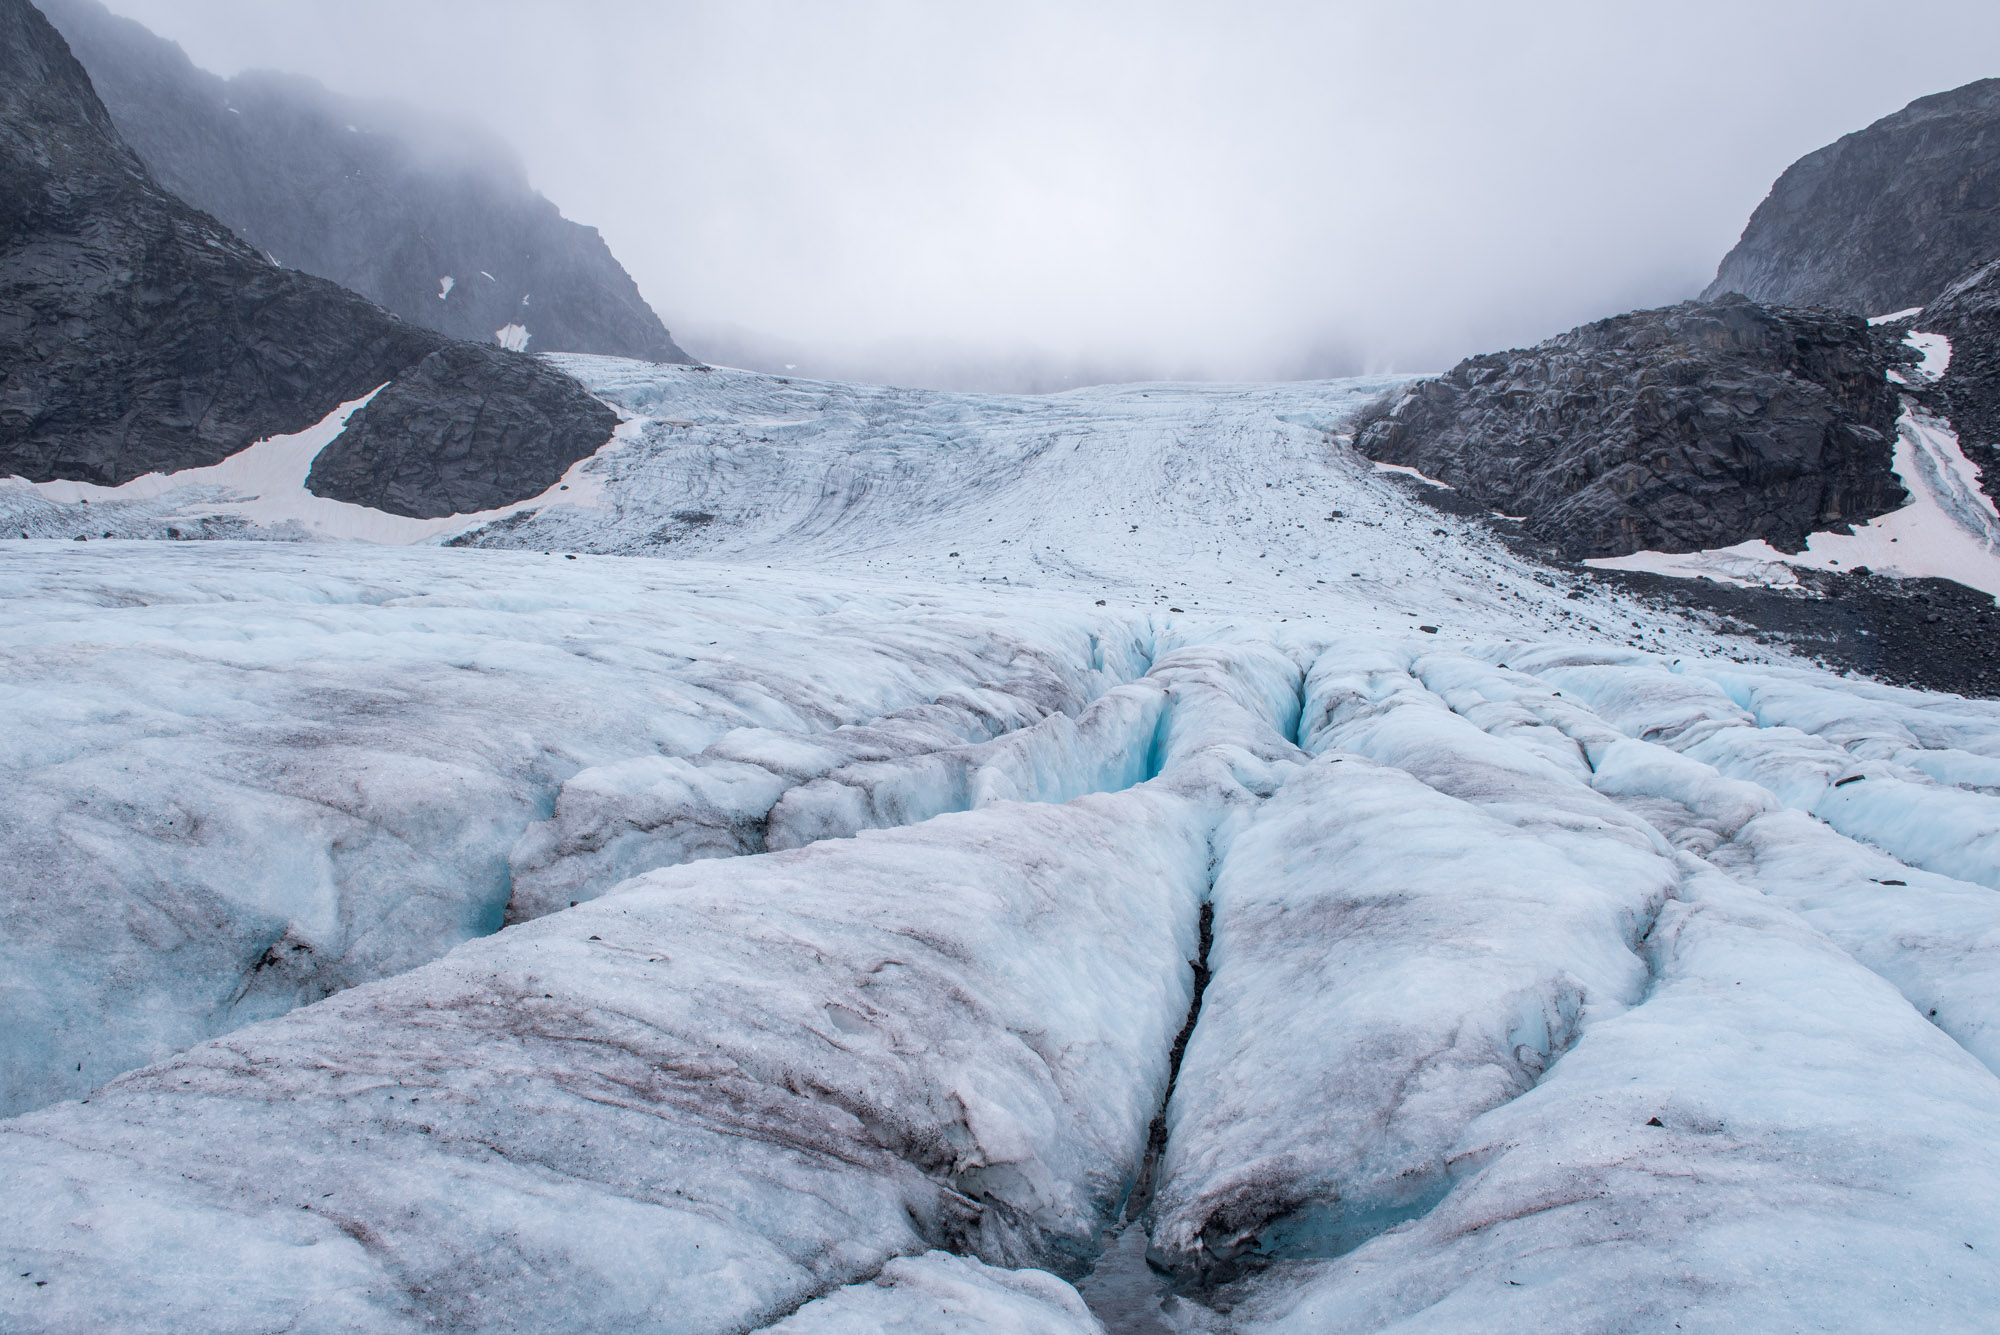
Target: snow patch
(513, 337)
(1936, 350)
(445, 285)
(1407, 471)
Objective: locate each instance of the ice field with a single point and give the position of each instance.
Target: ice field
(869, 859)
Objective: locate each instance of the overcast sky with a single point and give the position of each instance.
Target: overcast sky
(1006, 194)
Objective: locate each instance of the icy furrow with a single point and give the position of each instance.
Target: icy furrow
(1402, 942)
(1850, 770)
(765, 1076)
(1937, 939)
(1109, 748)
(1773, 1140)
(755, 790)
(761, 791)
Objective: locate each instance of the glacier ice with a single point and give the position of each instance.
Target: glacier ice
(938, 1291)
(767, 1076)
(231, 788)
(1771, 1140)
(763, 886)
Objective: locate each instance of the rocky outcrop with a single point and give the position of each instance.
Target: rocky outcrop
(1882, 219)
(433, 222)
(1693, 426)
(469, 428)
(138, 335)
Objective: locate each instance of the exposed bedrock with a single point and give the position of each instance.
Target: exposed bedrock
(468, 428)
(1881, 219)
(138, 335)
(1687, 427)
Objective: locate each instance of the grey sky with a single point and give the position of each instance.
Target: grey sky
(1004, 194)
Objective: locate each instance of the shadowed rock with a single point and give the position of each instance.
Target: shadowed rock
(138, 334)
(468, 428)
(374, 197)
(1688, 427)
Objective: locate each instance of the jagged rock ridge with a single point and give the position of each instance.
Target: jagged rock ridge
(138, 335)
(1687, 427)
(431, 221)
(1882, 219)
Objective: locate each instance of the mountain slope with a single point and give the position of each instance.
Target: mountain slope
(1881, 219)
(138, 335)
(435, 223)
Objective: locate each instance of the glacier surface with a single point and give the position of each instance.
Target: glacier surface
(871, 859)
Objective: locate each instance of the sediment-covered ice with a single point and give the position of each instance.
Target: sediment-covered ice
(1772, 1140)
(941, 1292)
(227, 787)
(688, 1105)
(890, 777)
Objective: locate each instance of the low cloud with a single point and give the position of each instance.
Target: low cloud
(1029, 195)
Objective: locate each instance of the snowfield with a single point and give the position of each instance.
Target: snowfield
(867, 859)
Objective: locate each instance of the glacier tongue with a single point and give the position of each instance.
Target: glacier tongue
(893, 775)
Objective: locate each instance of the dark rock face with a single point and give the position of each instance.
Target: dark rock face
(1883, 218)
(1693, 426)
(137, 334)
(468, 428)
(1968, 313)
(378, 200)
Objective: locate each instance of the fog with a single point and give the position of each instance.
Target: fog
(1029, 195)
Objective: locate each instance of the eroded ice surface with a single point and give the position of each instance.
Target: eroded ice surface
(941, 1292)
(232, 784)
(889, 869)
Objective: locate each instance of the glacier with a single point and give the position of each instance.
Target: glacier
(853, 858)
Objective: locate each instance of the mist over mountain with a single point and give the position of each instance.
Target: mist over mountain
(139, 336)
(427, 218)
(1156, 189)
(1881, 219)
